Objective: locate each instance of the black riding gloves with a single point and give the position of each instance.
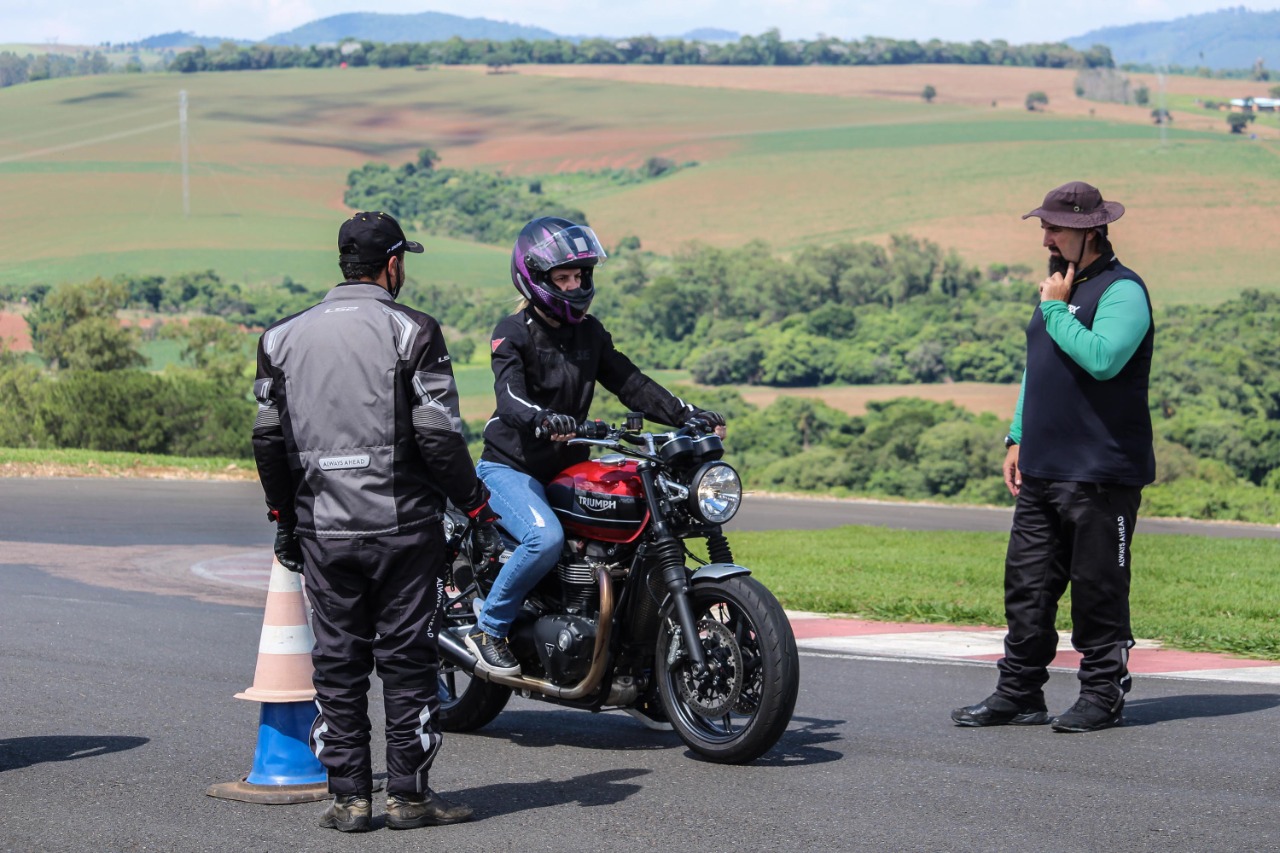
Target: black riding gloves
(288, 549)
(554, 423)
(711, 419)
(484, 532)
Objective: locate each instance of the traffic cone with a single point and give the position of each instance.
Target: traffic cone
(284, 768)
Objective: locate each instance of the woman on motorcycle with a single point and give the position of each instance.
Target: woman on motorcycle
(547, 358)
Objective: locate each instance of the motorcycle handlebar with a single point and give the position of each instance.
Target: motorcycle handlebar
(598, 432)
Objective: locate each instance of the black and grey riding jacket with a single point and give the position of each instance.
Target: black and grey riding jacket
(358, 431)
(540, 368)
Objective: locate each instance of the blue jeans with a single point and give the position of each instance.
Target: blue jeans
(521, 501)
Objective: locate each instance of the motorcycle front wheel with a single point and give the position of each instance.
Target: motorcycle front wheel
(738, 708)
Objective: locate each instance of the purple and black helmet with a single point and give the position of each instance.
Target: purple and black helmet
(545, 244)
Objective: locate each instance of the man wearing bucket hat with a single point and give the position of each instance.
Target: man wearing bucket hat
(358, 441)
(1079, 453)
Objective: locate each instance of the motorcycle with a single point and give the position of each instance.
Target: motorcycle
(622, 621)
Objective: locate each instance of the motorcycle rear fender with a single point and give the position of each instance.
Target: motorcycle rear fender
(718, 572)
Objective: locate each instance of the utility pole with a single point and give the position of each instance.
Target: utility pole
(182, 138)
(1164, 112)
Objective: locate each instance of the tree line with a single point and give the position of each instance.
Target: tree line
(768, 48)
(15, 69)
(474, 205)
(91, 391)
(856, 312)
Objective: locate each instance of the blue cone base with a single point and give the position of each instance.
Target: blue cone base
(284, 756)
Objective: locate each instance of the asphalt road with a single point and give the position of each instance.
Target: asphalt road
(116, 712)
(161, 512)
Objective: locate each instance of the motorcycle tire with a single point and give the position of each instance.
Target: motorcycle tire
(466, 702)
(740, 711)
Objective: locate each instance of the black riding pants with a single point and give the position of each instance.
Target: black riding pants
(1077, 533)
(376, 601)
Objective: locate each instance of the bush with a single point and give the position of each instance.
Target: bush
(1239, 121)
(1100, 84)
(1036, 100)
(127, 410)
(656, 167)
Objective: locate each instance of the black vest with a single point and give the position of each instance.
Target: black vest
(1078, 428)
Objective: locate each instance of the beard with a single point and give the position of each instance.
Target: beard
(1058, 265)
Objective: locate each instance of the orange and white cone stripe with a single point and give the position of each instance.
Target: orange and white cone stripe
(284, 666)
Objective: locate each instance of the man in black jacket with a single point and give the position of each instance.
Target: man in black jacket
(358, 442)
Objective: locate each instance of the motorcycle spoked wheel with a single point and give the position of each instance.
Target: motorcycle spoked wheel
(739, 709)
(466, 702)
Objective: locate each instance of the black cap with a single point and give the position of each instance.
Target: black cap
(372, 237)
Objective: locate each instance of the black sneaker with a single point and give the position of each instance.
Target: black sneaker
(407, 811)
(996, 710)
(493, 655)
(1085, 716)
(348, 813)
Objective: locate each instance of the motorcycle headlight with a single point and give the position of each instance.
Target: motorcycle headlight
(715, 493)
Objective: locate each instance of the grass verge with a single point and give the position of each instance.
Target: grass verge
(1189, 592)
(28, 462)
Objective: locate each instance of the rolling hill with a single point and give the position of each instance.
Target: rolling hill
(424, 26)
(794, 156)
(1226, 39)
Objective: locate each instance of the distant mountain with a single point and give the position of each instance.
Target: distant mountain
(424, 26)
(711, 34)
(178, 39)
(1228, 38)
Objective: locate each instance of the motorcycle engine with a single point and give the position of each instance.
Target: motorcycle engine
(565, 644)
(578, 586)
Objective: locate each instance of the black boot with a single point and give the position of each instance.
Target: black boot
(1085, 716)
(410, 811)
(996, 710)
(348, 813)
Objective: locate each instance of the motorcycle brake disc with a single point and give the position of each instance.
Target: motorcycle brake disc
(716, 692)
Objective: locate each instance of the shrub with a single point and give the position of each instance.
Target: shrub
(1239, 121)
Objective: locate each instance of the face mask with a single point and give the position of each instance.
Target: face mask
(396, 282)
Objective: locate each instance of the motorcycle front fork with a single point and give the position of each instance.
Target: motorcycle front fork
(670, 555)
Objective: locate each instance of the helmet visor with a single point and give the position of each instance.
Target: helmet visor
(577, 243)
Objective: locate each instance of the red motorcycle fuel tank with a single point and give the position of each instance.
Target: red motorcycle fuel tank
(600, 500)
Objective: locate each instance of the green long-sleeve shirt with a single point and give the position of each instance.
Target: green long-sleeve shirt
(1119, 325)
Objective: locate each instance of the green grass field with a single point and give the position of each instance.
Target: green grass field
(1190, 592)
(90, 170)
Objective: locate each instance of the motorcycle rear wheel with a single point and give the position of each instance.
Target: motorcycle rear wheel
(740, 709)
(467, 703)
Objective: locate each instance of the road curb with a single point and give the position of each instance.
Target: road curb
(975, 646)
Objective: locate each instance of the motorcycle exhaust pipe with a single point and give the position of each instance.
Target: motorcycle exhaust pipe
(452, 650)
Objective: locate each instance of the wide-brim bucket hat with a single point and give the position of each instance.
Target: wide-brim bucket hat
(1077, 205)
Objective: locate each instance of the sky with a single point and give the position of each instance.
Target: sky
(1016, 21)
